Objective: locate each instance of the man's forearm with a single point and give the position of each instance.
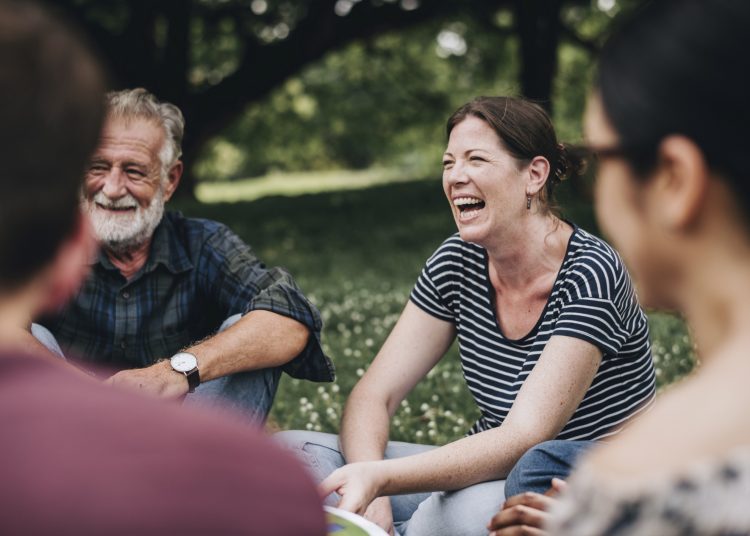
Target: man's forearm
(260, 339)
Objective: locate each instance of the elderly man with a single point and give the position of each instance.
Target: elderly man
(163, 281)
(78, 457)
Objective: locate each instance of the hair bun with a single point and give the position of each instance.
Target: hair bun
(563, 163)
(569, 163)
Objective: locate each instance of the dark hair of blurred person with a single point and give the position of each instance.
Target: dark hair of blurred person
(50, 114)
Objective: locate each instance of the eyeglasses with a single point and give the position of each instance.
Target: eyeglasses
(640, 155)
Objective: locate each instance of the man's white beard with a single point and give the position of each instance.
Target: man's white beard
(123, 232)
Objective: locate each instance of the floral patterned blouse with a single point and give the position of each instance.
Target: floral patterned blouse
(712, 498)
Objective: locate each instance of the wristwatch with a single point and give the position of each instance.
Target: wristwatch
(187, 364)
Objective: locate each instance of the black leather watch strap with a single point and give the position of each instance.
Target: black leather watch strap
(194, 379)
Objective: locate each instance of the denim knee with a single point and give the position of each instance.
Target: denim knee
(318, 451)
(535, 470)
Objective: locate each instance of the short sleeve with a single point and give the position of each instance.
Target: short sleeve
(435, 289)
(599, 305)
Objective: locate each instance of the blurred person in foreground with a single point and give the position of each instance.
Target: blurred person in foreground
(178, 306)
(668, 122)
(552, 341)
(77, 457)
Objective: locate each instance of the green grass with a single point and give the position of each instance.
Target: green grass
(294, 184)
(356, 254)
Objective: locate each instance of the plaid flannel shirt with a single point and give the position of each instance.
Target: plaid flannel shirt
(198, 274)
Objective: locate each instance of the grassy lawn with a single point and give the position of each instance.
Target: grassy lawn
(293, 184)
(356, 253)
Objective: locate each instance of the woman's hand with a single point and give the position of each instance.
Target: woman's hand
(357, 483)
(525, 513)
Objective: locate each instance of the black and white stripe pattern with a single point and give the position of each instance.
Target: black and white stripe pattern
(592, 299)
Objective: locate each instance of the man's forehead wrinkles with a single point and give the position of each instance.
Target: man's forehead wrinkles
(126, 142)
(119, 149)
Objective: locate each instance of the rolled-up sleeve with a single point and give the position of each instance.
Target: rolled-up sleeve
(240, 282)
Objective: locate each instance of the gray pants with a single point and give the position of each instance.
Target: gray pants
(464, 512)
(247, 394)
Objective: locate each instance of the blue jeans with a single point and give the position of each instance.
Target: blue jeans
(535, 470)
(464, 512)
(248, 394)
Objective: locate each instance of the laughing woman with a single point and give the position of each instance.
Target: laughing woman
(552, 341)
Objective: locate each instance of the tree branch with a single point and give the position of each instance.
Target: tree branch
(319, 32)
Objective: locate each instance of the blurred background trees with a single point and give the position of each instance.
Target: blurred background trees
(290, 85)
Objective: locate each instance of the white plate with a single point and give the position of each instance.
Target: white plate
(371, 528)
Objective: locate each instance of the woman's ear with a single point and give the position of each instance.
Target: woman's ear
(71, 265)
(538, 172)
(682, 182)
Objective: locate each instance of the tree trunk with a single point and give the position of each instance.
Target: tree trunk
(539, 28)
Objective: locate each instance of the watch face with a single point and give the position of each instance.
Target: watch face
(184, 362)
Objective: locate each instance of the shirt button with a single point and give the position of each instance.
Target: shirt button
(126, 295)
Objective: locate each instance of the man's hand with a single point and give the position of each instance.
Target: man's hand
(159, 380)
(525, 514)
(357, 483)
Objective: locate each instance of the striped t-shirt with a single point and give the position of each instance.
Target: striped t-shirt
(592, 299)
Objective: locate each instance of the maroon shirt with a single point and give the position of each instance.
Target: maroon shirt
(77, 457)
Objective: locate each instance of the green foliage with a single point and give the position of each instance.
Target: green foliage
(383, 101)
(357, 254)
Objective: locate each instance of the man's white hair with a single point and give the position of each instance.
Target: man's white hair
(139, 103)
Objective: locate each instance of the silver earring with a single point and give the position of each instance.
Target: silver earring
(528, 202)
